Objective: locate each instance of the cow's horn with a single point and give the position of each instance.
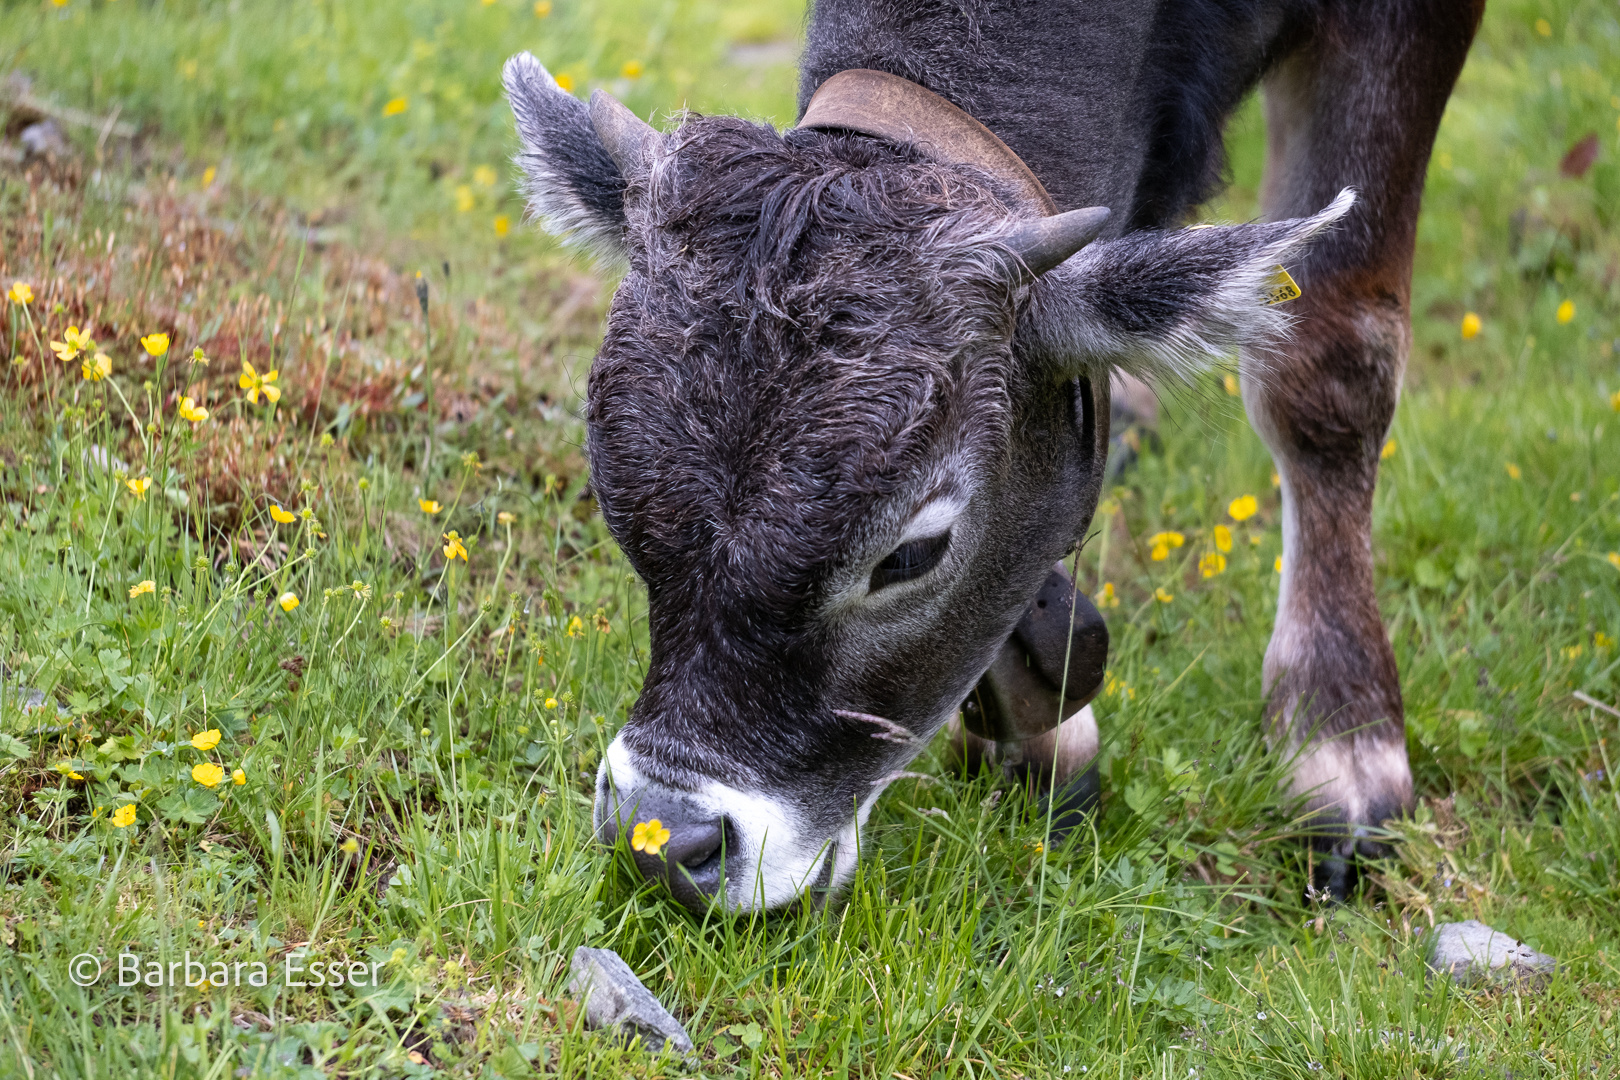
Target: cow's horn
(1042, 244)
(626, 136)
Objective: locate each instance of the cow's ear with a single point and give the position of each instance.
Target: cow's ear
(1162, 304)
(571, 182)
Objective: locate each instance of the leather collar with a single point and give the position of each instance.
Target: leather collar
(887, 106)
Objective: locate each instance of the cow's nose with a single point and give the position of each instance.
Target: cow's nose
(673, 840)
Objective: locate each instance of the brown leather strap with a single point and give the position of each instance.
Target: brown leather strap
(877, 103)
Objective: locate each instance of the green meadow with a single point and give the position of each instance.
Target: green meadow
(323, 676)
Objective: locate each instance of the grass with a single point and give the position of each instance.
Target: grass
(416, 736)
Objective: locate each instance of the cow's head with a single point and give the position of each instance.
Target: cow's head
(841, 425)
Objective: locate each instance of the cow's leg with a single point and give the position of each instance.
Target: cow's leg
(1357, 104)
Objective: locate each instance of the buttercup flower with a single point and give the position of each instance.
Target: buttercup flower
(206, 740)
(207, 774)
(350, 846)
(256, 384)
(1161, 543)
(1232, 386)
(1470, 326)
(503, 224)
(1107, 598)
(1243, 507)
(1614, 559)
(649, 836)
(395, 106)
(142, 589)
(429, 506)
(277, 514)
(123, 817)
(1223, 538)
(1614, 401)
(155, 344)
(453, 547)
(1162, 596)
(1514, 472)
(1566, 311)
(1277, 564)
(1388, 451)
(542, 8)
(1211, 564)
(505, 517)
(238, 777)
(96, 368)
(20, 293)
(190, 410)
(575, 627)
(551, 703)
(485, 176)
(66, 769)
(75, 341)
(288, 601)
(565, 83)
(632, 69)
(138, 488)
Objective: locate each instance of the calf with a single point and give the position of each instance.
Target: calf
(852, 400)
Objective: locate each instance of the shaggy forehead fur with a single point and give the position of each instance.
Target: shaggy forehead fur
(809, 323)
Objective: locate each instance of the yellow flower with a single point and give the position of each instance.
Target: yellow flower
(551, 703)
(1566, 311)
(20, 293)
(1211, 564)
(649, 836)
(277, 514)
(1600, 640)
(1544, 28)
(1573, 652)
(1514, 472)
(542, 8)
(1223, 538)
(66, 769)
(632, 69)
(484, 176)
(142, 589)
(349, 846)
(505, 517)
(464, 198)
(138, 488)
(207, 773)
(575, 627)
(206, 740)
(1614, 559)
(1388, 451)
(208, 176)
(1276, 565)
(1276, 479)
(1471, 325)
(96, 368)
(1243, 507)
(75, 342)
(155, 344)
(190, 410)
(256, 384)
(1614, 401)
(1232, 387)
(1107, 597)
(288, 601)
(1161, 596)
(238, 777)
(1161, 543)
(123, 817)
(453, 547)
(395, 106)
(429, 506)
(503, 224)
(198, 357)
(565, 83)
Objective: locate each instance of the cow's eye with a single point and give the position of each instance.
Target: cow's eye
(912, 559)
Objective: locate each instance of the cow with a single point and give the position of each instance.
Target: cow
(852, 399)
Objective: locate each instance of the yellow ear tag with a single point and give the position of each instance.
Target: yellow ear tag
(1281, 288)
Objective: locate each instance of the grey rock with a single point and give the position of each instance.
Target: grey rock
(615, 998)
(43, 139)
(1472, 952)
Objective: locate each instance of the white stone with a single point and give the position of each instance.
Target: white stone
(615, 998)
(1471, 951)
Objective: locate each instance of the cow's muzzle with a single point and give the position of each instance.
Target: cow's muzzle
(690, 860)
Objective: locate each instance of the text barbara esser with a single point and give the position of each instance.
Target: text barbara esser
(297, 970)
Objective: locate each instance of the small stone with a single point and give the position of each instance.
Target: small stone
(615, 998)
(1471, 952)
